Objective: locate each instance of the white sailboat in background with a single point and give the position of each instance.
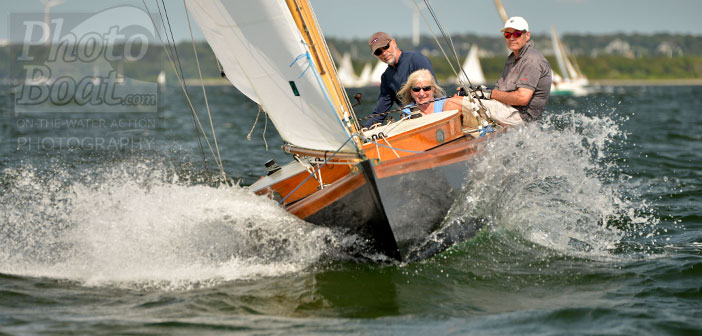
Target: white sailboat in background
(471, 68)
(161, 79)
(97, 79)
(377, 73)
(369, 76)
(347, 76)
(364, 78)
(571, 81)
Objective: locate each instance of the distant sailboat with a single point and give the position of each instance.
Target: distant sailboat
(120, 73)
(571, 81)
(364, 79)
(377, 73)
(347, 76)
(97, 79)
(471, 68)
(161, 79)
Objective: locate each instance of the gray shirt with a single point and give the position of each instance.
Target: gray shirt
(532, 71)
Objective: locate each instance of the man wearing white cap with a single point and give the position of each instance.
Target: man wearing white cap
(525, 83)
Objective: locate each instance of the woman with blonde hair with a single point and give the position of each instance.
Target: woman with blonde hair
(421, 93)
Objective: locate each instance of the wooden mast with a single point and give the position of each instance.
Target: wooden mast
(307, 24)
(501, 10)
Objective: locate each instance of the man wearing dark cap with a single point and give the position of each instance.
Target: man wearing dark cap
(400, 65)
(523, 89)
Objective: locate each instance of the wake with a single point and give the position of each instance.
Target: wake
(140, 225)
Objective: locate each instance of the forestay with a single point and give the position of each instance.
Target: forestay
(264, 56)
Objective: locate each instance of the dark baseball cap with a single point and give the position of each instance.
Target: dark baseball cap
(377, 40)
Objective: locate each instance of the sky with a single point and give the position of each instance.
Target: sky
(358, 19)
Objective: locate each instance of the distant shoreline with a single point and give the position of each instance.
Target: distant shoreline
(646, 82)
(593, 82)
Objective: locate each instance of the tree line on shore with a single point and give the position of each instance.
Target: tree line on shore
(648, 61)
(607, 56)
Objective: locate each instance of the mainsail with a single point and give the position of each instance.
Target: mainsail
(265, 56)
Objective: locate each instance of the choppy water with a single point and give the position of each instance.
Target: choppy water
(593, 225)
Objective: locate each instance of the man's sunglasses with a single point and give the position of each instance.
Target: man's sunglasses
(516, 34)
(419, 88)
(380, 50)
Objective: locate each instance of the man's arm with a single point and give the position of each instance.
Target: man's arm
(383, 105)
(520, 97)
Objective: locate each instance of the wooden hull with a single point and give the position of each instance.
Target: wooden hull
(352, 203)
(393, 199)
(395, 204)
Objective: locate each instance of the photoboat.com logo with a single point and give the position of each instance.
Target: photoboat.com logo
(84, 80)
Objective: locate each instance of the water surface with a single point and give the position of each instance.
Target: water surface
(592, 226)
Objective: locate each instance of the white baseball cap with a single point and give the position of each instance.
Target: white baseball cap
(517, 23)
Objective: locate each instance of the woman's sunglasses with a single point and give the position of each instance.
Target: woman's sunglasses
(380, 50)
(516, 34)
(420, 88)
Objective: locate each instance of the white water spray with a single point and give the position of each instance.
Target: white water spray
(137, 226)
(553, 184)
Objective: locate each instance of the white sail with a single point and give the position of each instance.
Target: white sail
(364, 78)
(570, 68)
(571, 80)
(263, 54)
(347, 76)
(161, 79)
(472, 68)
(378, 70)
(559, 54)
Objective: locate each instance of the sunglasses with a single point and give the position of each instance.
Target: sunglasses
(517, 34)
(420, 88)
(380, 50)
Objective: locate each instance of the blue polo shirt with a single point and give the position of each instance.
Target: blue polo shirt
(392, 80)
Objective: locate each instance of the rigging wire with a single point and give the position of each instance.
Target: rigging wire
(248, 136)
(314, 173)
(204, 93)
(453, 68)
(449, 42)
(175, 51)
(399, 109)
(265, 126)
(181, 80)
